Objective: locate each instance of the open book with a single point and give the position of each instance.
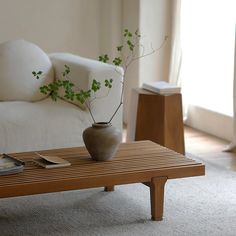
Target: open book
(50, 161)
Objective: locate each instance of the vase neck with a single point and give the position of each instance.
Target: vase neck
(101, 124)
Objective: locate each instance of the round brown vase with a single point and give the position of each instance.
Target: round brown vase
(102, 141)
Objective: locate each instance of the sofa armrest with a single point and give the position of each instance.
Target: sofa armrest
(82, 73)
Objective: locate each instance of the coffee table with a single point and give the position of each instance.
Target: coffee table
(137, 162)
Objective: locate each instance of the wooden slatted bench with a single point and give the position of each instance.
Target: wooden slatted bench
(138, 162)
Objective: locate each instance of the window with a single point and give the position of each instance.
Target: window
(208, 41)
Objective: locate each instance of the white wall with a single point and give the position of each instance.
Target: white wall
(110, 26)
(90, 28)
(155, 24)
(55, 25)
(131, 20)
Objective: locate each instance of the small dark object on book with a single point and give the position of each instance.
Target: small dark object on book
(10, 165)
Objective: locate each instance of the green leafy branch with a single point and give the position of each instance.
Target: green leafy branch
(70, 93)
(127, 54)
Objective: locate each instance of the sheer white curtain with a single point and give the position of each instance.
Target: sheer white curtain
(176, 54)
(202, 54)
(176, 50)
(232, 145)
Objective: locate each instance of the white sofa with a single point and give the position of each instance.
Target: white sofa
(30, 120)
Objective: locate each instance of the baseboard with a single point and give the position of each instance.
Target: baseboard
(210, 122)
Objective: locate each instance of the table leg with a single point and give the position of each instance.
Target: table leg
(157, 188)
(109, 188)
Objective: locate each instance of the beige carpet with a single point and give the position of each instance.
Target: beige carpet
(193, 206)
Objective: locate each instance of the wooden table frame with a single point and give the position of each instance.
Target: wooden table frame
(137, 162)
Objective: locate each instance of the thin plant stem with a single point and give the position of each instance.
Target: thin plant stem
(68, 101)
(89, 108)
(134, 49)
(127, 64)
(117, 109)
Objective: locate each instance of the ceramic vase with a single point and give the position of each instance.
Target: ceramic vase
(102, 141)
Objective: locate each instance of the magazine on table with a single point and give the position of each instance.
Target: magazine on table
(10, 165)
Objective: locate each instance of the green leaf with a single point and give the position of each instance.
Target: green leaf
(44, 89)
(137, 33)
(103, 58)
(130, 45)
(59, 82)
(70, 95)
(82, 96)
(95, 85)
(66, 71)
(119, 48)
(108, 83)
(37, 74)
(54, 96)
(126, 31)
(117, 61)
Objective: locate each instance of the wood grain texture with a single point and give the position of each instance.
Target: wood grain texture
(158, 118)
(157, 189)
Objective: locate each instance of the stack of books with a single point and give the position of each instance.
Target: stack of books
(161, 87)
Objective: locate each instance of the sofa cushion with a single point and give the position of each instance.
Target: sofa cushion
(18, 58)
(27, 126)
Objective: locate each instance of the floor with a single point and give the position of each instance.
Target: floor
(209, 148)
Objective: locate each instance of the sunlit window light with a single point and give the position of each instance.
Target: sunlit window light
(208, 41)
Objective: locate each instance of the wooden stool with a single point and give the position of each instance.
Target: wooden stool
(157, 118)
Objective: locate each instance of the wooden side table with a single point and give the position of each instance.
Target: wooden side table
(157, 118)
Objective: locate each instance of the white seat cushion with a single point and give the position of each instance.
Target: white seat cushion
(27, 126)
(18, 58)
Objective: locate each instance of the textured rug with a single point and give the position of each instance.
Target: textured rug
(193, 206)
